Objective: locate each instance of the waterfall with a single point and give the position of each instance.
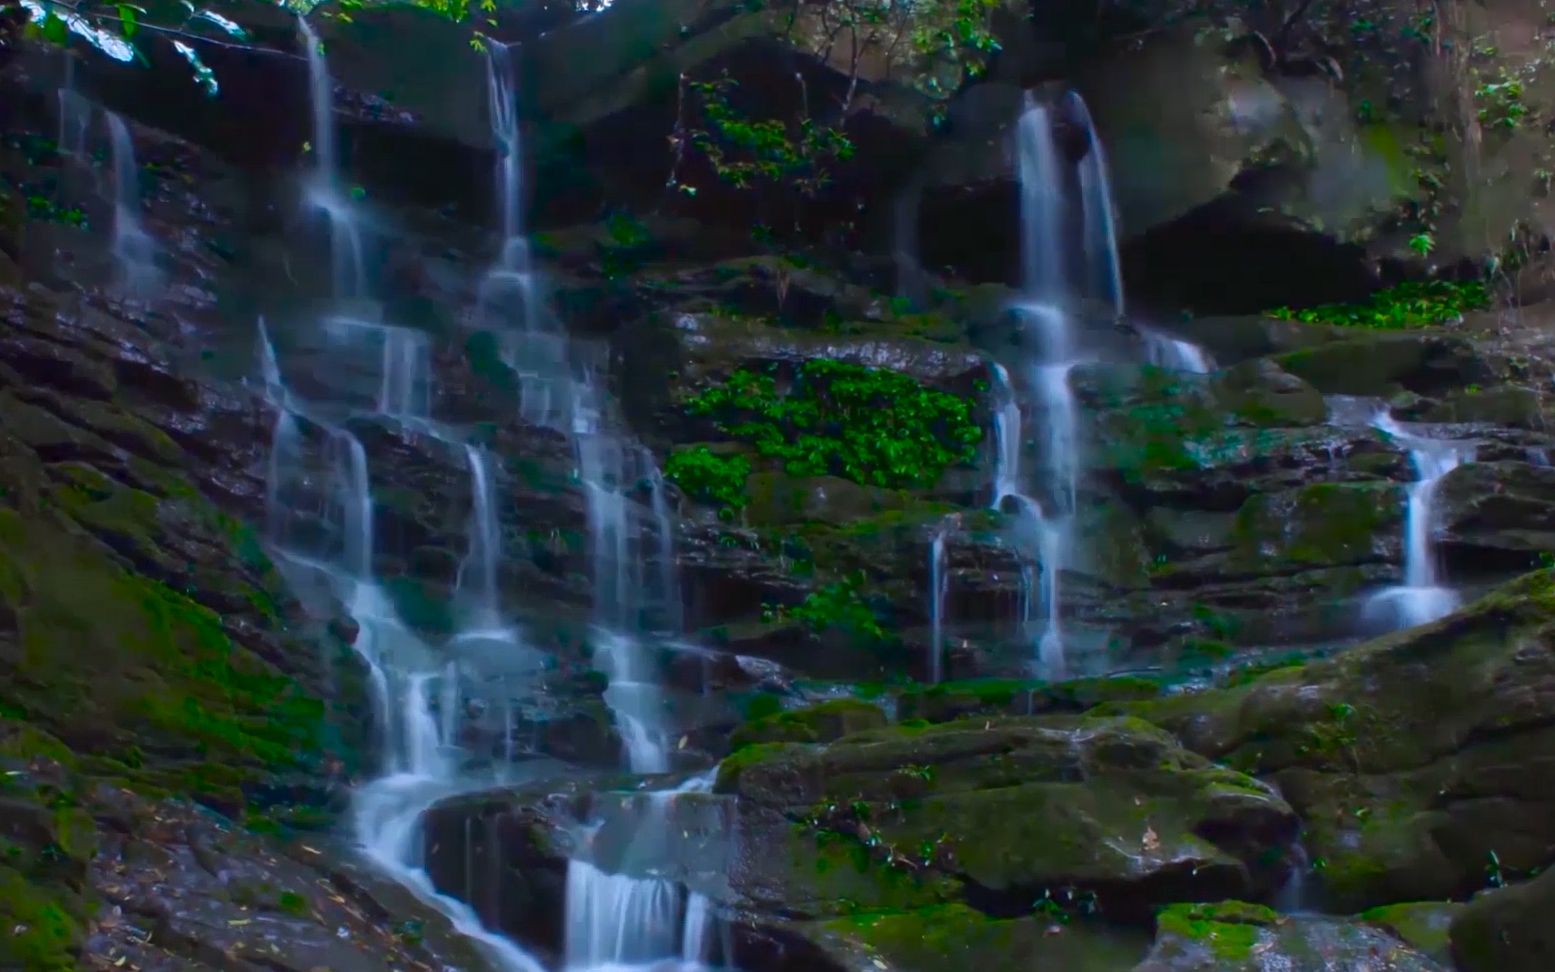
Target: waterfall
(1045, 316)
(478, 573)
(611, 918)
(133, 247)
(937, 591)
(616, 919)
(1422, 598)
(322, 189)
(402, 669)
(418, 689)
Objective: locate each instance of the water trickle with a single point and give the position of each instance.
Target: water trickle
(1174, 354)
(937, 591)
(1104, 273)
(1422, 597)
(322, 188)
(133, 247)
(75, 117)
(478, 573)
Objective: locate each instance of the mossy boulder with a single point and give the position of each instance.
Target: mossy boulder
(1412, 758)
(954, 937)
(819, 723)
(1383, 363)
(1321, 525)
(1425, 925)
(1508, 930)
(1000, 808)
(948, 701)
(1234, 936)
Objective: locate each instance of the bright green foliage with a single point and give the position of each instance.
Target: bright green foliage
(840, 606)
(795, 154)
(873, 426)
(708, 477)
(1501, 102)
(1407, 305)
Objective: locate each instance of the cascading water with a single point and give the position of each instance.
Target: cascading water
(612, 918)
(133, 247)
(1422, 598)
(403, 670)
(416, 687)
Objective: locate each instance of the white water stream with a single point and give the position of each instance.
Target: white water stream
(1422, 597)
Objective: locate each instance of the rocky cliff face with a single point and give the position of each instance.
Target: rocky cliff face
(181, 731)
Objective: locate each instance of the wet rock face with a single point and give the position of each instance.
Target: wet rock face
(180, 890)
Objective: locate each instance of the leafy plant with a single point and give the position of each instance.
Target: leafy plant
(1422, 304)
(708, 477)
(838, 606)
(1501, 102)
(874, 426)
(795, 154)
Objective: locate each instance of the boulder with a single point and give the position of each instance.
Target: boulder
(992, 811)
(1411, 758)
(1508, 929)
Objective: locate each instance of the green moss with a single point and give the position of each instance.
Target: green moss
(817, 723)
(876, 427)
(110, 659)
(291, 903)
(41, 932)
(738, 762)
(1424, 924)
(1407, 305)
(1230, 928)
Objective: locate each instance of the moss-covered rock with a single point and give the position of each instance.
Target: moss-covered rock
(1423, 924)
(1233, 936)
(953, 937)
(819, 723)
(1371, 748)
(916, 815)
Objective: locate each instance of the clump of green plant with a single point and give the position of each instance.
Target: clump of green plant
(1501, 102)
(837, 606)
(707, 477)
(1419, 304)
(873, 426)
(796, 153)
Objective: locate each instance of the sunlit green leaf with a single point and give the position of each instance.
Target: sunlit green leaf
(127, 21)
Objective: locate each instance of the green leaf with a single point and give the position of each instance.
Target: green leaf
(127, 21)
(54, 29)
